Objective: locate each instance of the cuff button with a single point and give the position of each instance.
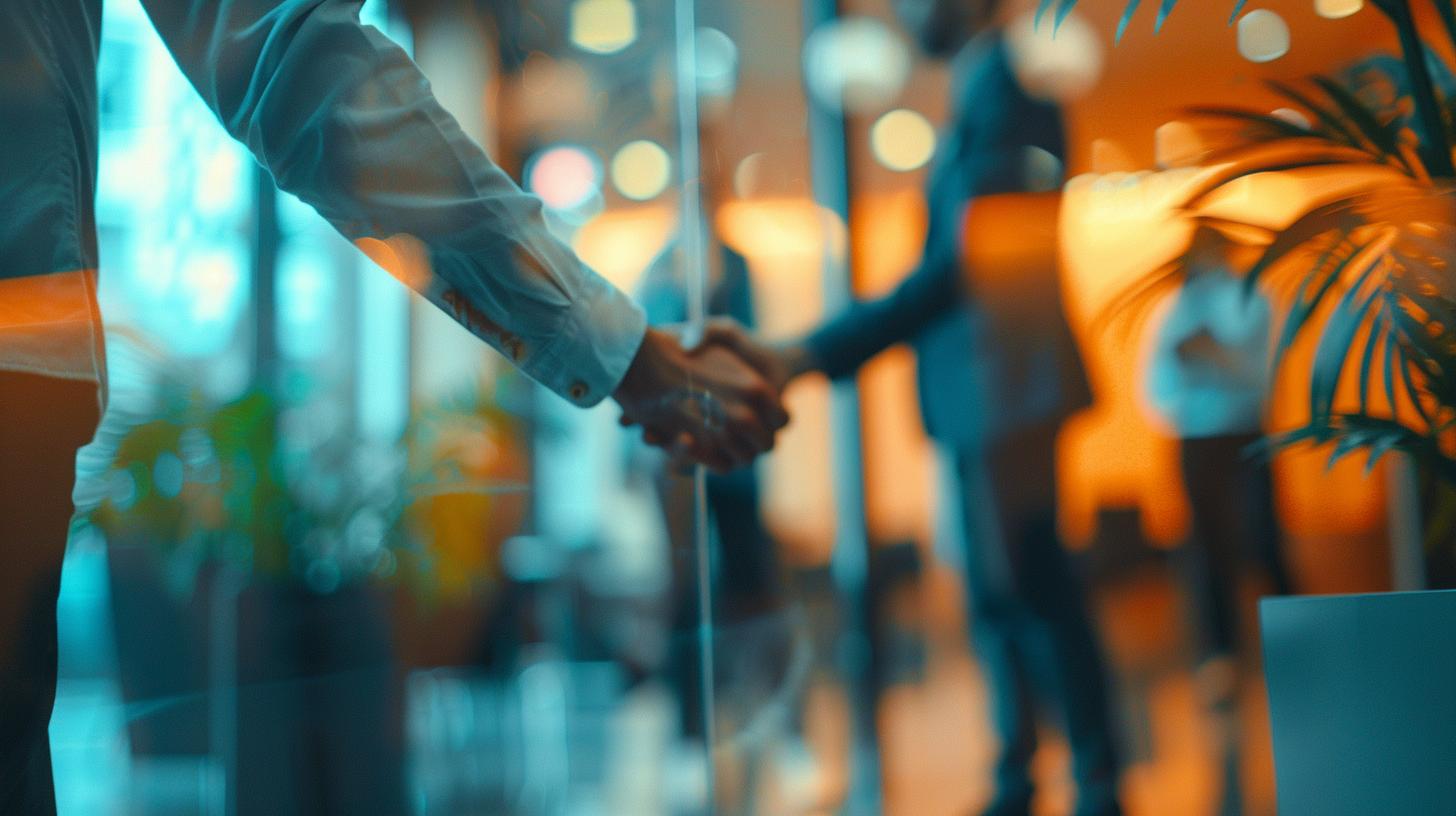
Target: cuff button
(578, 390)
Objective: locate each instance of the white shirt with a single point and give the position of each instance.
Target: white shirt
(344, 120)
(1209, 369)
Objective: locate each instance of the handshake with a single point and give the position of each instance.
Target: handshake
(717, 401)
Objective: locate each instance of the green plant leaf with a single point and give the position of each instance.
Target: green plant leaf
(1234, 15)
(1334, 125)
(1412, 332)
(1334, 346)
(1392, 355)
(1063, 12)
(1375, 338)
(1275, 162)
(1042, 8)
(1379, 435)
(1132, 305)
(1127, 13)
(1304, 307)
(1331, 217)
(1385, 138)
(1163, 10)
(1278, 126)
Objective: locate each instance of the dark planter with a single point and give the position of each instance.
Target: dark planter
(296, 694)
(1362, 701)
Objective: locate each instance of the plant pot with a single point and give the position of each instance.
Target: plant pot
(1362, 700)
(295, 694)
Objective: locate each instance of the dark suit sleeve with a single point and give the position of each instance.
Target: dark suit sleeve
(985, 154)
(932, 290)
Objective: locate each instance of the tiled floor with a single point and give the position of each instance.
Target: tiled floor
(937, 748)
(935, 745)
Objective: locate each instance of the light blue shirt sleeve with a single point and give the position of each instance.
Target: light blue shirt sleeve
(344, 120)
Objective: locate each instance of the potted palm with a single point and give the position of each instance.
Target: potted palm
(1367, 270)
(1369, 275)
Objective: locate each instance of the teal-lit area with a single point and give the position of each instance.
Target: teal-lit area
(707, 408)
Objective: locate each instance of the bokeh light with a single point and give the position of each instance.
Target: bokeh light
(748, 175)
(1292, 116)
(641, 170)
(1055, 62)
(1335, 9)
(565, 177)
(1263, 36)
(717, 63)
(1109, 156)
(603, 26)
(1041, 169)
(1177, 144)
(856, 62)
(555, 92)
(902, 140)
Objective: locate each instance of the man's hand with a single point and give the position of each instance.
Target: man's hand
(779, 363)
(708, 405)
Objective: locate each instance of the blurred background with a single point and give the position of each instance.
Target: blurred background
(337, 557)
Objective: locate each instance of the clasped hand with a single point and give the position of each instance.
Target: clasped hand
(718, 403)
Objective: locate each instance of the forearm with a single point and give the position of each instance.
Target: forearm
(343, 119)
(844, 343)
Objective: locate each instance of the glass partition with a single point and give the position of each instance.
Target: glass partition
(336, 557)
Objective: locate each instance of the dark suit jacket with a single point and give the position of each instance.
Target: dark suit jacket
(979, 378)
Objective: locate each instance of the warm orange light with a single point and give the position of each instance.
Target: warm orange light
(47, 324)
(1116, 228)
(1263, 36)
(619, 244)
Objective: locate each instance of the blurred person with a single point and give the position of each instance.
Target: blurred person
(751, 614)
(342, 118)
(749, 609)
(994, 390)
(1208, 377)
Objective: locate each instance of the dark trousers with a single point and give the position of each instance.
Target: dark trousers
(43, 422)
(1030, 621)
(747, 584)
(1234, 526)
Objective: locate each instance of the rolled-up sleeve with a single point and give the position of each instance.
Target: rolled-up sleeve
(344, 120)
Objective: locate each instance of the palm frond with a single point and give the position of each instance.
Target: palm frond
(1260, 126)
(1130, 308)
(1163, 11)
(1372, 271)
(1384, 137)
(1351, 313)
(1042, 7)
(1127, 13)
(1350, 433)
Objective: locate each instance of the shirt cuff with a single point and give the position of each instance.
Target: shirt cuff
(594, 346)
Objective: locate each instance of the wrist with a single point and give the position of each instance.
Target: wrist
(797, 359)
(645, 372)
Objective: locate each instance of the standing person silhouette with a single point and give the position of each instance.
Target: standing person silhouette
(994, 390)
(1208, 380)
(343, 119)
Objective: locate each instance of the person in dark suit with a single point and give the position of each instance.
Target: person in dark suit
(996, 380)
